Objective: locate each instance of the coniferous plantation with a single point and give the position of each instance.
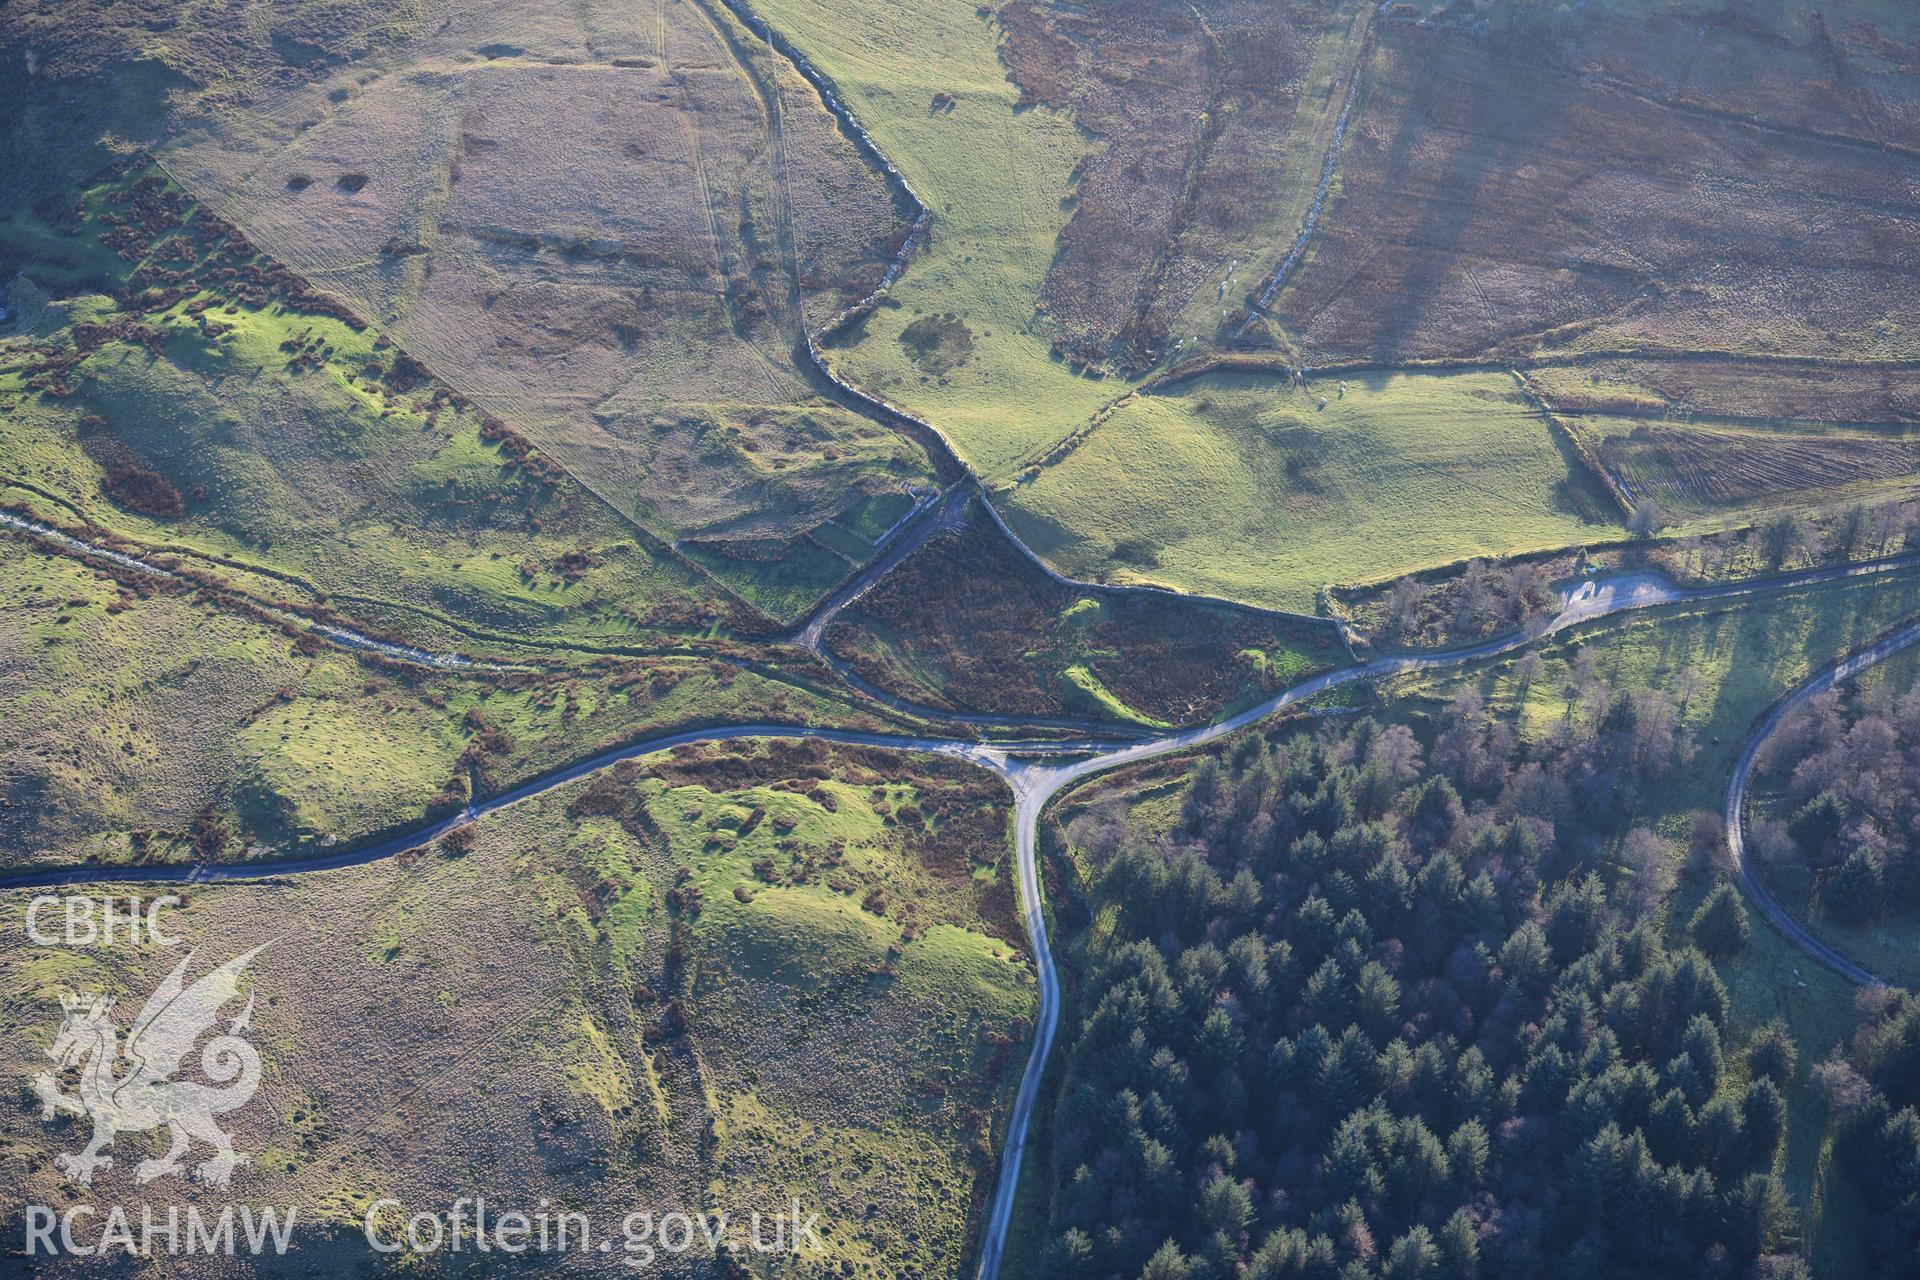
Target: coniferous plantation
(1364, 1013)
(1874, 1092)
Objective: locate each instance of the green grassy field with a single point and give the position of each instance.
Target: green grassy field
(995, 178)
(998, 183)
(1240, 485)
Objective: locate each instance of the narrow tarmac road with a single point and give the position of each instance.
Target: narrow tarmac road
(1736, 821)
(1037, 771)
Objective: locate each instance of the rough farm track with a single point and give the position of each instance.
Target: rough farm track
(943, 514)
(1038, 771)
(1277, 279)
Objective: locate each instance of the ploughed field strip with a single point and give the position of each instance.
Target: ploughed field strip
(1694, 469)
(1741, 389)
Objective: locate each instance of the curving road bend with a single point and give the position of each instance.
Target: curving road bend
(1036, 783)
(1038, 770)
(1776, 915)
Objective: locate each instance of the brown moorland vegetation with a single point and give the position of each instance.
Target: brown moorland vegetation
(587, 219)
(557, 1010)
(1190, 113)
(1588, 181)
(969, 622)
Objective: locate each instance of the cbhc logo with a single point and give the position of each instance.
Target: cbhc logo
(98, 922)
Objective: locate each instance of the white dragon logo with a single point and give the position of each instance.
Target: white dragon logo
(146, 1096)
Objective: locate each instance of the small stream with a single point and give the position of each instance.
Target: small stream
(344, 637)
